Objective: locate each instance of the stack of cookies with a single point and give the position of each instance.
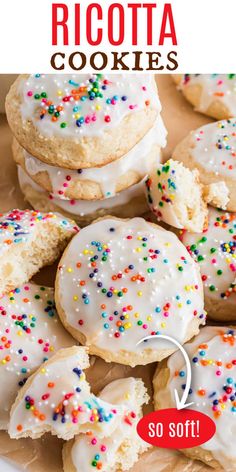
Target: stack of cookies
(84, 143)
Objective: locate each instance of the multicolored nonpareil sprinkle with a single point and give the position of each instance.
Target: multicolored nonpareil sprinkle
(132, 199)
(167, 192)
(30, 333)
(84, 103)
(65, 411)
(163, 192)
(127, 280)
(219, 88)
(214, 250)
(58, 398)
(175, 196)
(17, 226)
(90, 452)
(220, 78)
(68, 183)
(213, 387)
(100, 453)
(215, 148)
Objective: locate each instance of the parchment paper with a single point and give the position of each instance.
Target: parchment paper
(44, 455)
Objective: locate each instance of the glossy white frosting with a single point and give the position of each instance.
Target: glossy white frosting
(215, 252)
(215, 148)
(126, 280)
(220, 87)
(213, 362)
(87, 207)
(19, 226)
(30, 333)
(58, 399)
(61, 104)
(106, 176)
(89, 452)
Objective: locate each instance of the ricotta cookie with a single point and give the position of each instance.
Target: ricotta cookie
(122, 280)
(57, 399)
(212, 150)
(97, 182)
(212, 355)
(211, 94)
(120, 450)
(128, 203)
(28, 241)
(30, 333)
(215, 252)
(175, 196)
(81, 120)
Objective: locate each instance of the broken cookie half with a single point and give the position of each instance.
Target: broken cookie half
(58, 399)
(30, 240)
(176, 197)
(121, 449)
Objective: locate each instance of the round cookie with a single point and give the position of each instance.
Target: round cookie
(97, 182)
(81, 120)
(28, 241)
(122, 280)
(212, 149)
(211, 94)
(175, 196)
(121, 449)
(214, 251)
(213, 364)
(30, 333)
(129, 203)
(57, 399)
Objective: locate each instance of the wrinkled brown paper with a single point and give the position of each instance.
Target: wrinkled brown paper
(44, 455)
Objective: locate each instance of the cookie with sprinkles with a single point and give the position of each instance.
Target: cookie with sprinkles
(121, 280)
(211, 94)
(121, 449)
(213, 391)
(175, 196)
(29, 240)
(97, 182)
(215, 252)
(127, 204)
(57, 399)
(30, 333)
(81, 120)
(212, 150)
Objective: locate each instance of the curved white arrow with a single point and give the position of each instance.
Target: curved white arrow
(180, 404)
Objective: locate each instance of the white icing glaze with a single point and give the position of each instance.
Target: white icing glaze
(151, 285)
(86, 451)
(215, 147)
(214, 250)
(30, 333)
(212, 353)
(124, 94)
(60, 395)
(107, 176)
(19, 226)
(87, 207)
(220, 87)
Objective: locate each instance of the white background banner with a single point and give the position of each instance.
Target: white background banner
(205, 32)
